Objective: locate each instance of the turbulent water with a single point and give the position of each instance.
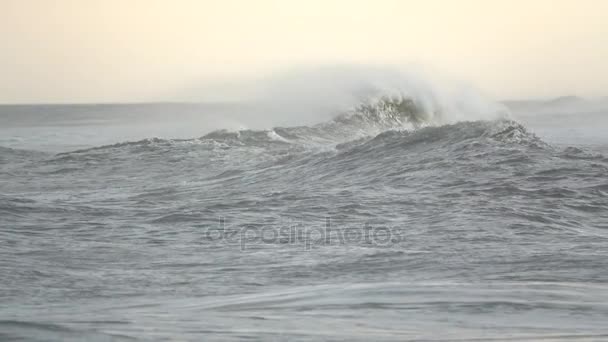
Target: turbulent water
(383, 223)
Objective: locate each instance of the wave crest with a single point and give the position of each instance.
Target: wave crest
(387, 112)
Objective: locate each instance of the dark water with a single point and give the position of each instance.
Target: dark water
(345, 230)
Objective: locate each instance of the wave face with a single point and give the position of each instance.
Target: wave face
(372, 225)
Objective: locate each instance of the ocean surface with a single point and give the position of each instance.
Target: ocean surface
(380, 223)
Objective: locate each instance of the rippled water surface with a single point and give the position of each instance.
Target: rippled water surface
(351, 229)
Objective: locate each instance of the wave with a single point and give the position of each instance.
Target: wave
(505, 132)
(394, 120)
(345, 136)
(369, 118)
(374, 118)
(505, 141)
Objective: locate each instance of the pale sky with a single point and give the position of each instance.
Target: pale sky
(151, 50)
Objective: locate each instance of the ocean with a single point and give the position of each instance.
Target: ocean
(384, 222)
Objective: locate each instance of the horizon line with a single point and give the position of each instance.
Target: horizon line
(177, 102)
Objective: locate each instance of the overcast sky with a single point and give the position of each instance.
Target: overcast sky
(153, 50)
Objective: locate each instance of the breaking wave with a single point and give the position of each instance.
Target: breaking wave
(363, 121)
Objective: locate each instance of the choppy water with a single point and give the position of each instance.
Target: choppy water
(352, 229)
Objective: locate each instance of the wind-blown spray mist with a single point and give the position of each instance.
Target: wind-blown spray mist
(316, 94)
